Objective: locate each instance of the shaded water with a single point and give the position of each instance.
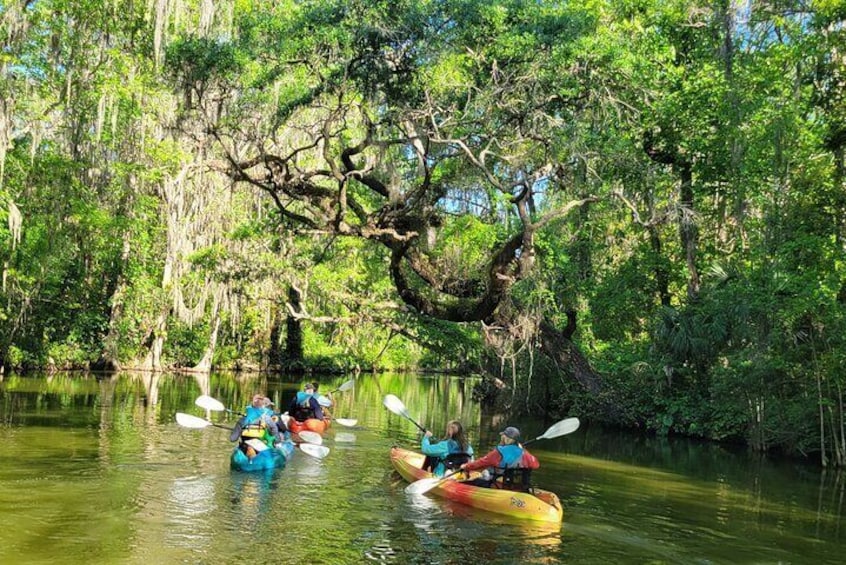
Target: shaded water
(97, 471)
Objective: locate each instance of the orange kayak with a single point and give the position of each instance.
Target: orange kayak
(312, 425)
(540, 505)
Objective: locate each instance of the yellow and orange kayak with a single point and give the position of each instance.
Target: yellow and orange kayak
(540, 505)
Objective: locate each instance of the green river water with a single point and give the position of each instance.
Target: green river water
(97, 471)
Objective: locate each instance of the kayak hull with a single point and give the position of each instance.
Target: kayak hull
(540, 506)
(312, 425)
(270, 458)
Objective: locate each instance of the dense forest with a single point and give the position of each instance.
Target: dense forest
(633, 211)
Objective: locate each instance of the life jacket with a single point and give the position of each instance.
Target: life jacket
(255, 427)
(453, 460)
(509, 474)
(256, 415)
(303, 409)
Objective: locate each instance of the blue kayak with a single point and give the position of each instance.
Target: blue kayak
(269, 458)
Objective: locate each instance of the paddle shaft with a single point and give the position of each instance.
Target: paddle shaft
(220, 426)
(419, 427)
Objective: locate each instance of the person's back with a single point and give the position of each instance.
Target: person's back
(449, 453)
(508, 465)
(304, 406)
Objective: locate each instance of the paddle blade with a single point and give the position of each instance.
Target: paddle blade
(325, 402)
(317, 451)
(423, 485)
(189, 421)
(395, 405)
(346, 386)
(210, 403)
(561, 428)
(346, 422)
(311, 437)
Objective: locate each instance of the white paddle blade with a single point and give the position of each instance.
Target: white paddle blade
(210, 403)
(189, 421)
(323, 401)
(395, 405)
(423, 485)
(346, 386)
(311, 437)
(346, 422)
(317, 451)
(257, 444)
(563, 427)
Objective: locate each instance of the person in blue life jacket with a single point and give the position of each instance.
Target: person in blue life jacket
(259, 413)
(304, 405)
(448, 453)
(508, 465)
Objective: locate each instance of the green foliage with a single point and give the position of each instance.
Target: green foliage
(722, 154)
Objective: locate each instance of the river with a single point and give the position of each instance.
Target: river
(96, 470)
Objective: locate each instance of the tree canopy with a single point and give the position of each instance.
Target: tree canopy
(630, 209)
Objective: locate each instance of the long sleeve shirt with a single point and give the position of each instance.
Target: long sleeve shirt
(493, 459)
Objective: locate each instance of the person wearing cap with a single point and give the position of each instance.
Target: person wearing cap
(504, 461)
(448, 453)
(258, 413)
(304, 405)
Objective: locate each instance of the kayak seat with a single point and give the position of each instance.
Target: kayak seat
(455, 460)
(451, 461)
(518, 479)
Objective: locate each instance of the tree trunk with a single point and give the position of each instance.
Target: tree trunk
(564, 353)
(275, 354)
(294, 330)
(688, 230)
(108, 360)
(205, 363)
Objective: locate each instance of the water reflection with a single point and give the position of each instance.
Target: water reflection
(97, 470)
(189, 503)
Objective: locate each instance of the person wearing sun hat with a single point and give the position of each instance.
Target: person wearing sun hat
(259, 415)
(503, 461)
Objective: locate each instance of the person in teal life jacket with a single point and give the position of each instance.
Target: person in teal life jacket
(508, 465)
(259, 412)
(448, 453)
(304, 405)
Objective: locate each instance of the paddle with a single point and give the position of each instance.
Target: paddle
(396, 406)
(558, 429)
(317, 451)
(194, 422)
(309, 436)
(326, 403)
(346, 422)
(213, 404)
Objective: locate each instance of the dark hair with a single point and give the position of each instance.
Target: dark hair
(459, 436)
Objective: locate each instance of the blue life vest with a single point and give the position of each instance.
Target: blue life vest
(255, 415)
(511, 456)
(438, 462)
(303, 399)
